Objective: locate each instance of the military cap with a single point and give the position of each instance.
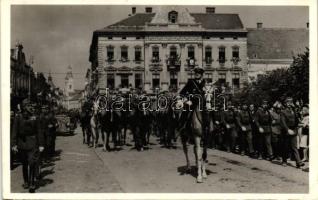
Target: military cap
(199, 70)
(289, 99)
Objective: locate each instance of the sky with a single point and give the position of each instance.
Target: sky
(59, 36)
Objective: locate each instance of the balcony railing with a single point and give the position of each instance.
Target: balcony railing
(173, 61)
(173, 64)
(155, 60)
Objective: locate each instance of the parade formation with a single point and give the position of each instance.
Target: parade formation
(212, 105)
(271, 131)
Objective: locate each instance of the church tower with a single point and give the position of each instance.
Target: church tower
(69, 85)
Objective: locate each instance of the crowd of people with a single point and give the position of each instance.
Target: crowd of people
(33, 135)
(275, 132)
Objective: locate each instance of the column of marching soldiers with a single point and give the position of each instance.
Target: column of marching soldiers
(276, 131)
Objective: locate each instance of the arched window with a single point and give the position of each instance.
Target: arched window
(173, 17)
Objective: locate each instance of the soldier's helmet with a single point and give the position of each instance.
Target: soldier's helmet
(199, 70)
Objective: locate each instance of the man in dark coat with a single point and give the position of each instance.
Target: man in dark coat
(263, 121)
(28, 140)
(289, 124)
(193, 94)
(244, 126)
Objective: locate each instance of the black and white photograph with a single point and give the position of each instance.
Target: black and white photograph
(144, 98)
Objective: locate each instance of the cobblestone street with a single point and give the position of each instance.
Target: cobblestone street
(82, 169)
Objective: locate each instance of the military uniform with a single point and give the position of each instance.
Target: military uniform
(50, 126)
(229, 121)
(263, 121)
(276, 133)
(218, 130)
(27, 136)
(289, 123)
(193, 90)
(244, 124)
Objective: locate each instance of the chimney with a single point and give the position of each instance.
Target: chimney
(148, 9)
(133, 10)
(259, 25)
(210, 10)
(307, 24)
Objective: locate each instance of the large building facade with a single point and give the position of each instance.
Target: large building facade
(159, 50)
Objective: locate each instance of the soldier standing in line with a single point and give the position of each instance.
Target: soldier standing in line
(229, 120)
(28, 140)
(255, 134)
(263, 122)
(51, 125)
(276, 130)
(245, 128)
(218, 131)
(289, 123)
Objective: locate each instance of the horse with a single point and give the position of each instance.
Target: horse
(197, 131)
(85, 123)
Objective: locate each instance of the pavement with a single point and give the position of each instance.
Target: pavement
(79, 168)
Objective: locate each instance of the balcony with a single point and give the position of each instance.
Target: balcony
(155, 60)
(173, 63)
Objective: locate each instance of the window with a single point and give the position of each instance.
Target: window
(173, 52)
(137, 38)
(173, 80)
(173, 17)
(235, 52)
(137, 53)
(235, 38)
(155, 54)
(110, 37)
(124, 38)
(156, 81)
(110, 53)
(221, 54)
(208, 77)
(222, 79)
(70, 87)
(222, 38)
(236, 80)
(138, 80)
(208, 55)
(110, 81)
(124, 53)
(124, 81)
(191, 52)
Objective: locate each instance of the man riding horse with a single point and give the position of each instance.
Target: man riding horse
(193, 121)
